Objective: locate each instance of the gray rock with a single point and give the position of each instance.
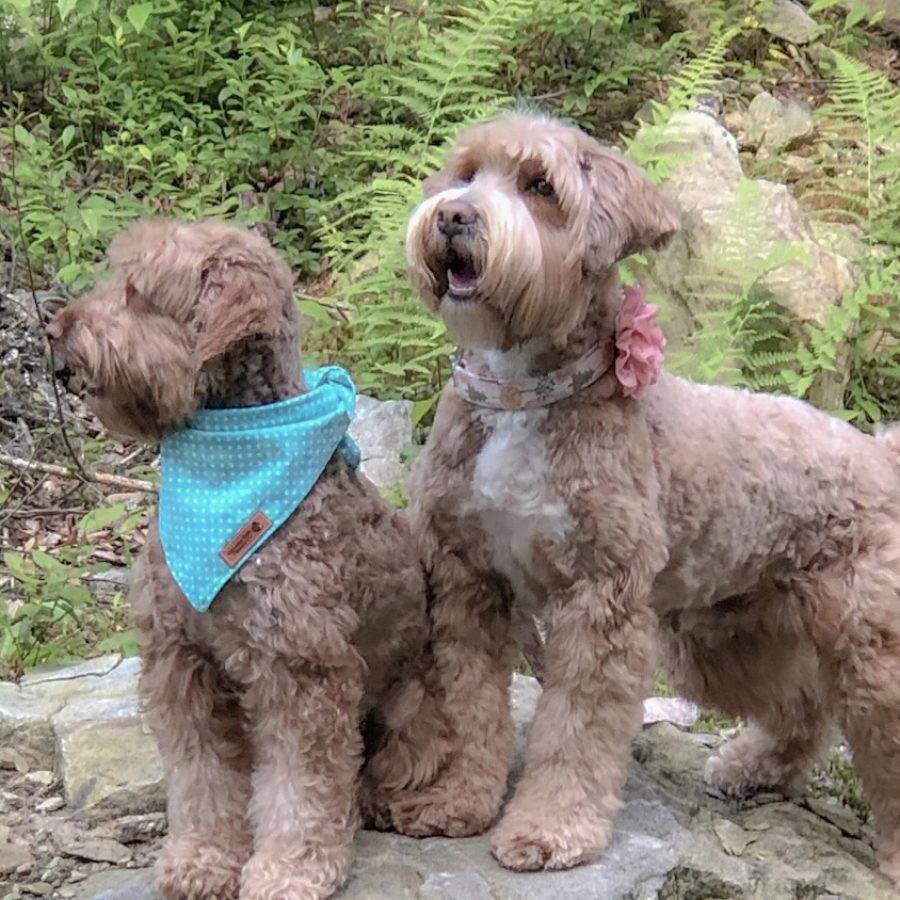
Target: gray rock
(65, 681)
(26, 735)
(837, 814)
(14, 857)
(95, 849)
(42, 778)
(118, 884)
(383, 429)
(788, 21)
(774, 125)
(134, 829)
(108, 762)
(51, 804)
(732, 837)
(94, 699)
(728, 220)
(671, 840)
(111, 768)
(38, 888)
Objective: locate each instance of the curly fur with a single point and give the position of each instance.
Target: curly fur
(751, 539)
(256, 704)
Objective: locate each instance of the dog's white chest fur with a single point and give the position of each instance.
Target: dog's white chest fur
(512, 499)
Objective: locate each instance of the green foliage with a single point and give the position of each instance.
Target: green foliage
(49, 614)
(859, 152)
(836, 778)
(157, 107)
(655, 148)
(602, 54)
(743, 337)
(860, 157)
(447, 77)
(850, 362)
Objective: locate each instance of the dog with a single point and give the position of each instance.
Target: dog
(751, 541)
(266, 651)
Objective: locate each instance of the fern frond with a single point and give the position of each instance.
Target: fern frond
(655, 147)
(859, 128)
(448, 79)
(696, 77)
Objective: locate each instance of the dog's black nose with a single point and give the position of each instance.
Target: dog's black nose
(455, 217)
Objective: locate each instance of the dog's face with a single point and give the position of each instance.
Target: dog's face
(180, 296)
(518, 225)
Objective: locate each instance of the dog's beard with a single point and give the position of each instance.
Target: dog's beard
(528, 280)
(139, 381)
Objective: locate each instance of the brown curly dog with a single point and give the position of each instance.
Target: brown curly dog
(257, 703)
(751, 538)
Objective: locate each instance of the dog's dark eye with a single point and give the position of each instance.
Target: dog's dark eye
(541, 186)
(467, 176)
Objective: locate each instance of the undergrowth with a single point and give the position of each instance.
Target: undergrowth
(318, 124)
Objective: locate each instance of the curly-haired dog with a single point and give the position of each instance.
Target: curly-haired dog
(759, 537)
(256, 703)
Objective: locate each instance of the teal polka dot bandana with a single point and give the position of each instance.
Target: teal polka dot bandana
(231, 477)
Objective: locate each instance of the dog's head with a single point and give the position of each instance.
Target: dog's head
(520, 226)
(180, 300)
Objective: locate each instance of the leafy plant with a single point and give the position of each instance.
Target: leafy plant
(447, 78)
(860, 158)
(743, 337)
(50, 614)
(655, 147)
(157, 107)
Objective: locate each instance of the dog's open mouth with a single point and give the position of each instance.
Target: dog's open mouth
(74, 380)
(462, 276)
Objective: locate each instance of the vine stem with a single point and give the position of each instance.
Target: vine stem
(79, 467)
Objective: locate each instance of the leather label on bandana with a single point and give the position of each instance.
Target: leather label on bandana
(247, 535)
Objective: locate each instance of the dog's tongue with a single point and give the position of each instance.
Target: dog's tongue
(461, 284)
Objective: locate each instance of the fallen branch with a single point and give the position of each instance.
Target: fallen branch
(116, 481)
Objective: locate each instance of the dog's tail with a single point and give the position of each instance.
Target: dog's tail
(889, 435)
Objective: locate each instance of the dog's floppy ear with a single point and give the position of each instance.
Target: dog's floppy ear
(245, 300)
(627, 213)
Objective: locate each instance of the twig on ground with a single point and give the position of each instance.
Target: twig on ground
(117, 481)
(42, 513)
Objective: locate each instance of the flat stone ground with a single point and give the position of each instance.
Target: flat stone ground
(68, 834)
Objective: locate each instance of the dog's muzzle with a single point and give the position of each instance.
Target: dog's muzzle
(457, 223)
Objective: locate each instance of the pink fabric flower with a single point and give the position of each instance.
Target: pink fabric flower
(639, 342)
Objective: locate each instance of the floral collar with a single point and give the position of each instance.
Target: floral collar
(636, 356)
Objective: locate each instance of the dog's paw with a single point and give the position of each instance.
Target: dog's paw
(889, 860)
(755, 761)
(438, 811)
(191, 869)
(551, 841)
(736, 771)
(313, 874)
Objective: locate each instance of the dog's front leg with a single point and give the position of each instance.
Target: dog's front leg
(193, 711)
(599, 660)
(307, 752)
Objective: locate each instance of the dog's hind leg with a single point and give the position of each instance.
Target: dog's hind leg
(854, 617)
(445, 772)
(751, 664)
